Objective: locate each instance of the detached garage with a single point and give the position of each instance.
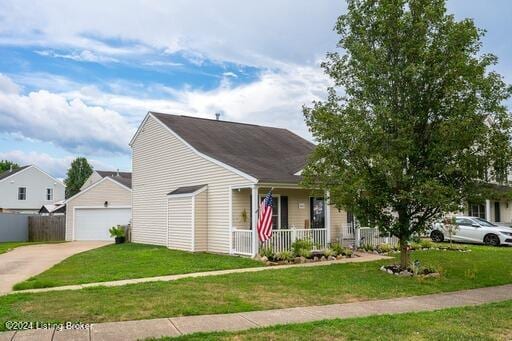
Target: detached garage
(94, 210)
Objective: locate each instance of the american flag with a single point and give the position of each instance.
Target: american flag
(265, 218)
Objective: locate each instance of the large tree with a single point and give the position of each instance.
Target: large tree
(6, 165)
(415, 119)
(79, 171)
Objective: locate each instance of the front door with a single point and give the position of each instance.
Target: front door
(497, 212)
(317, 212)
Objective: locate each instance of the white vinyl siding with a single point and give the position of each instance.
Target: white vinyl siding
(108, 190)
(181, 223)
(201, 221)
(94, 178)
(35, 183)
(338, 219)
(162, 163)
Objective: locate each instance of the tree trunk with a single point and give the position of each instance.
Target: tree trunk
(404, 253)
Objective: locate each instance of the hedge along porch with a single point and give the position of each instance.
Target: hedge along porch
(297, 214)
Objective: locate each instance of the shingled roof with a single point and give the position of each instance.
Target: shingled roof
(8, 173)
(265, 153)
(124, 178)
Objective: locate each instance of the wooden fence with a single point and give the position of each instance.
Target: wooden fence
(46, 228)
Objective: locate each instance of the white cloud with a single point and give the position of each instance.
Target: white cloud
(56, 166)
(79, 56)
(275, 99)
(66, 122)
(7, 86)
(257, 33)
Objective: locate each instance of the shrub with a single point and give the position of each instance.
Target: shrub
(337, 248)
(426, 244)
(304, 253)
(347, 252)
(384, 248)
(329, 253)
(116, 231)
(414, 246)
(267, 251)
(285, 256)
(367, 247)
(302, 246)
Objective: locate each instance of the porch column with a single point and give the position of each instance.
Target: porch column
(254, 219)
(488, 209)
(328, 225)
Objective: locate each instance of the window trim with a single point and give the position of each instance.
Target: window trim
(51, 194)
(24, 193)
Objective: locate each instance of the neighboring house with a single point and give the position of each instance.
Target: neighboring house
(197, 184)
(27, 189)
(105, 202)
(497, 209)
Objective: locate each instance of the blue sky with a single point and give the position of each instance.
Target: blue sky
(77, 78)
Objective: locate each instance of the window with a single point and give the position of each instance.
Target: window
(463, 222)
(49, 194)
(477, 210)
(22, 193)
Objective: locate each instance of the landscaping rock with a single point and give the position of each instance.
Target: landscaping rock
(263, 259)
(315, 259)
(323, 258)
(332, 258)
(339, 257)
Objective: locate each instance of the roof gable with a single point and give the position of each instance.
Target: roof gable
(265, 153)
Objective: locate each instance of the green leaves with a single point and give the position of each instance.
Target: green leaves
(421, 121)
(77, 174)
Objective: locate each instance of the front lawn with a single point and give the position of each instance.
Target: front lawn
(485, 322)
(336, 283)
(124, 261)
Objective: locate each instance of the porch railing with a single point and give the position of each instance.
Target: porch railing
(242, 242)
(281, 240)
(373, 237)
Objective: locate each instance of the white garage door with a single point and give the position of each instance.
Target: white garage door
(94, 223)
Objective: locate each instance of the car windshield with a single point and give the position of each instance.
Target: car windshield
(484, 222)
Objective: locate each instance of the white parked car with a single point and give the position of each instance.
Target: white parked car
(473, 230)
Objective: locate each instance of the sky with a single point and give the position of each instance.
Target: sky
(78, 77)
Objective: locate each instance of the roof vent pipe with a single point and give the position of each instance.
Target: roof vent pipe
(10, 169)
(117, 174)
(217, 115)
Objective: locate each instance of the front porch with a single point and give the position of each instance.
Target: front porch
(297, 214)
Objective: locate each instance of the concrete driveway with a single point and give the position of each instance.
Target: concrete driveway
(26, 261)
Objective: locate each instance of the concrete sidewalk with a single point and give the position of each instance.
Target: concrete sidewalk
(175, 326)
(363, 257)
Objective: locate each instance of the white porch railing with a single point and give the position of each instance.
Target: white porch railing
(242, 242)
(281, 240)
(372, 236)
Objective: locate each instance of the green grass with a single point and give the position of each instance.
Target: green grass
(485, 322)
(7, 246)
(124, 261)
(337, 283)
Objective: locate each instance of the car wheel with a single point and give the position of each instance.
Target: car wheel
(437, 236)
(492, 240)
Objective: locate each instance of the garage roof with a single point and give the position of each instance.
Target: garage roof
(124, 178)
